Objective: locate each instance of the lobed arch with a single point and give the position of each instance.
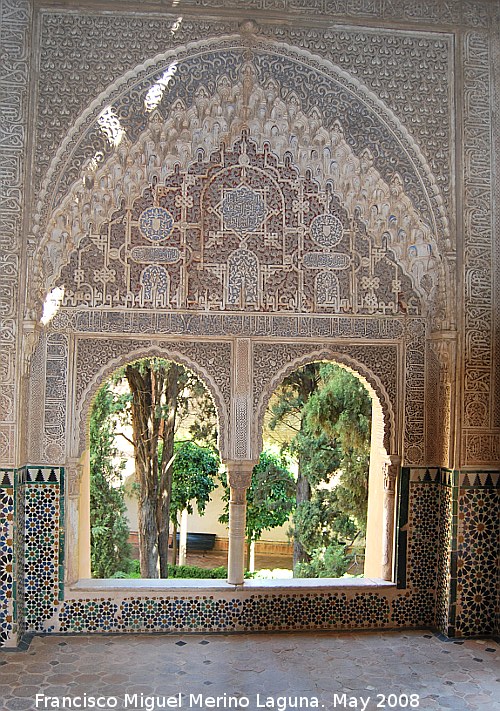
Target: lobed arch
(130, 81)
(371, 381)
(71, 155)
(83, 404)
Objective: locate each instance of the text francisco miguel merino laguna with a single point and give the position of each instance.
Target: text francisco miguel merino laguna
(190, 701)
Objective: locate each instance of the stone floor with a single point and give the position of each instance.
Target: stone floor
(369, 670)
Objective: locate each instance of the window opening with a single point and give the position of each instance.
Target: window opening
(154, 470)
(319, 420)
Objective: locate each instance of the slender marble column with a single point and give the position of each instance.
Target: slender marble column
(391, 470)
(240, 476)
(77, 513)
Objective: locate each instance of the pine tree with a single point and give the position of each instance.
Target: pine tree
(341, 410)
(322, 414)
(312, 455)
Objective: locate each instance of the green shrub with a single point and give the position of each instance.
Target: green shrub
(176, 571)
(331, 562)
(192, 571)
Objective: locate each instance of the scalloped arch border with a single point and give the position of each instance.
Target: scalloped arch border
(372, 383)
(81, 433)
(152, 66)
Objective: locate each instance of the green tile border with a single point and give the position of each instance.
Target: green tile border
(403, 504)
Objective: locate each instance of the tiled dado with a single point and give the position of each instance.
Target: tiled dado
(477, 553)
(461, 543)
(448, 528)
(418, 529)
(31, 545)
(6, 554)
(244, 611)
(43, 544)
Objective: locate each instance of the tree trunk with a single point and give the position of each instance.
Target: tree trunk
(165, 484)
(300, 555)
(183, 533)
(248, 554)
(307, 386)
(144, 451)
(148, 536)
(174, 543)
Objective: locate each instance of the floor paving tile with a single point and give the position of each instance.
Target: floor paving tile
(339, 670)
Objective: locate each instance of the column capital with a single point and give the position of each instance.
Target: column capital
(74, 468)
(391, 468)
(240, 472)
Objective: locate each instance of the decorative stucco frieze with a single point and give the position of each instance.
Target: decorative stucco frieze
(245, 324)
(451, 12)
(479, 443)
(15, 18)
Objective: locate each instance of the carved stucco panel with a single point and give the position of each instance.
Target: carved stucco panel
(478, 406)
(245, 231)
(37, 401)
(414, 407)
(480, 444)
(55, 399)
(480, 449)
(241, 430)
(440, 372)
(495, 57)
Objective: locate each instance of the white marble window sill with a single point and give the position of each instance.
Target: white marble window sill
(195, 586)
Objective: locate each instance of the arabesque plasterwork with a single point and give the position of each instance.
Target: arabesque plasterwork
(481, 443)
(200, 229)
(244, 232)
(399, 204)
(15, 19)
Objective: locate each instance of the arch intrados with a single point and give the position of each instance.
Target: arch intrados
(152, 66)
(84, 406)
(371, 382)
